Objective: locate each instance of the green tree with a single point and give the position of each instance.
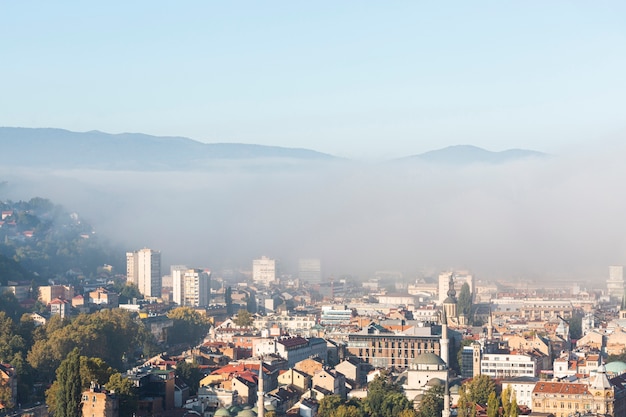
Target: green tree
(492, 405)
(479, 388)
(69, 390)
(189, 326)
(432, 402)
(465, 407)
(506, 401)
(251, 303)
(191, 374)
(244, 318)
(328, 404)
(464, 304)
(126, 392)
(514, 409)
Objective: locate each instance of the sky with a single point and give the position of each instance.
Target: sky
(359, 79)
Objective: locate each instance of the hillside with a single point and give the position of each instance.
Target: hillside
(58, 148)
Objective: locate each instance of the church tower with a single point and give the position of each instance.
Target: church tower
(449, 304)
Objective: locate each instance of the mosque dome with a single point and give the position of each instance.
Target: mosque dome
(616, 368)
(222, 412)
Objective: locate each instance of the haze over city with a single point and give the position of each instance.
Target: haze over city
(363, 81)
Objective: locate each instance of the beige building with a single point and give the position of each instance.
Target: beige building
(48, 293)
(99, 403)
(143, 269)
(264, 270)
(298, 379)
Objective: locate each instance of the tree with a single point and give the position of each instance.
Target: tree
(328, 404)
(465, 407)
(69, 389)
(464, 304)
(492, 405)
(126, 392)
(228, 298)
(251, 303)
(189, 326)
(432, 402)
(479, 388)
(191, 374)
(506, 401)
(514, 409)
(244, 318)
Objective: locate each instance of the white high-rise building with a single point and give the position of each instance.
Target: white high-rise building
(177, 272)
(196, 287)
(143, 269)
(310, 271)
(264, 270)
(615, 283)
(191, 287)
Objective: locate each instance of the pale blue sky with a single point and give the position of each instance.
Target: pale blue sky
(362, 79)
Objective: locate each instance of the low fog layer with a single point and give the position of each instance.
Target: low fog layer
(552, 218)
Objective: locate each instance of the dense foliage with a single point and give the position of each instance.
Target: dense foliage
(189, 326)
(49, 242)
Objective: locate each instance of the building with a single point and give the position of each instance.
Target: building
(48, 293)
(60, 307)
(310, 271)
(191, 287)
(615, 284)
(598, 395)
(143, 269)
(102, 297)
(332, 316)
(522, 387)
(99, 403)
(177, 272)
(292, 349)
(264, 271)
(498, 365)
(382, 348)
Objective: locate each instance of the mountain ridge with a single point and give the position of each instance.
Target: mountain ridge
(61, 148)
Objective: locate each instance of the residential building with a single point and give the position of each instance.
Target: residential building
(192, 287)
(99, 403)
(330, 380)
(296, 378)
(522, 388)
(335, 316)
(177, 272)
(102, 297)
(143, 269)
(264, 271)
(48, 293)
(292, 349)
(59, 307)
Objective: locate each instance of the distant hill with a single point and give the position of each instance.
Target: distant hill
(468, 154)
(58, 148)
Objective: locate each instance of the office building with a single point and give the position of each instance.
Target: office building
(264, 271)
(143, 269)
(310, 271)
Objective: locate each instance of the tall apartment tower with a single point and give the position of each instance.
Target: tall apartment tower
(615, 283)
(177, 272)
(143, 268)
(264, 270)
(310, 271)
(196, 287)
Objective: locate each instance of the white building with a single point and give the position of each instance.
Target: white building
(264, 270)
(143, 269)
(292, 349)
(509, 365)
(615, 283)
(177, 272)
(522, 388)
(196, 287)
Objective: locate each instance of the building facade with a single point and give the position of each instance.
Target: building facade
(383, 348)
(264, 270)
(143, 269)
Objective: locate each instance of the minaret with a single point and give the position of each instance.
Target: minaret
(260, 394)
(445, 342)
(490, 327)
(446, 397)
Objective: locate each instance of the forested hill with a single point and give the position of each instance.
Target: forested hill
(40, 241)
